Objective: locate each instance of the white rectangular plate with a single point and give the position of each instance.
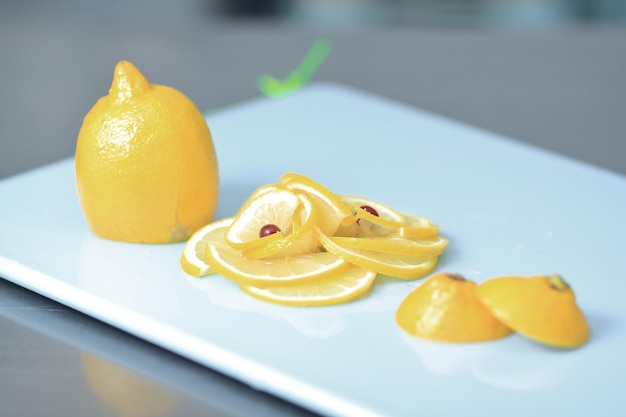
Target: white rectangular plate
(506, 208)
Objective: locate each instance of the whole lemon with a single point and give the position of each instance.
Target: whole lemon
(146, 168)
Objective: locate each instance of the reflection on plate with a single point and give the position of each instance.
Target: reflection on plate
(105, 266)
(315, 322)
(512, 363)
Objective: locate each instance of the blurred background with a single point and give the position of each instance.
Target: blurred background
(339, 13)
(548, 72)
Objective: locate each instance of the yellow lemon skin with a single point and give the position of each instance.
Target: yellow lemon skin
(146, 168)
(540, 307)
(445, 308)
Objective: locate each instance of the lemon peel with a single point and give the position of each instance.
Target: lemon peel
(540, 307)
(192, 260)
(394, 265)
(146, 167)
(347, 286)
(395, 244)
(333, 212)
(445, 308)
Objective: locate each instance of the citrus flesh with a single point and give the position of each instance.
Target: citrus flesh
(387, 216)
(299, 240)
(394, 265)
(270, 204)
(339, 288)
(231, 263)
(395, 244)
(146, 168)
(332, 210)
(192, 260)
(386, 221)
(322, 249)
(415, 226)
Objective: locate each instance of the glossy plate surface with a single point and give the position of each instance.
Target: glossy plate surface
(506, 208)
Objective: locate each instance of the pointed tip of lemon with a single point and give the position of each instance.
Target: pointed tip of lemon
(128, 82)
(557, 282)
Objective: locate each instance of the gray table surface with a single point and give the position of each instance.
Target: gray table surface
(563, 90)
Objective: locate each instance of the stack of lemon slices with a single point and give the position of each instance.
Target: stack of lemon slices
(297, 243)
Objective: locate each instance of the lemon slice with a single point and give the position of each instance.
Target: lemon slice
(192, 260)
(416, 226)
(288, 270)
(270, 204)
(333, 211)
(366, 223)
(300, 240)
(386, 215)
(345, 286)
(396, 245)
(399, 266)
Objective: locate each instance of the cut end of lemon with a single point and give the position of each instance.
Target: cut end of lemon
(535, 308)
(445, 308)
